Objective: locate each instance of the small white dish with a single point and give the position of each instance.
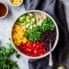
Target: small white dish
(15, 4)
(6, 13)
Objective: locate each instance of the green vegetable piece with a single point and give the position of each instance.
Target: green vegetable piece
(33, 34)
(26, 20)
(22, 19)
(30, 19)
(30, 14)
(5, 53)
(51, 24)
(47, 24)
(44, 27)
(10, 50)
(61, 67)
(17, 55)
(33, 20)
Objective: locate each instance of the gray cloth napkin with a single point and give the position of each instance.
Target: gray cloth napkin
(55, 9)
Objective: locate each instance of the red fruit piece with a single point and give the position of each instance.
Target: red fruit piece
(33, 48)
(34, 44)
(35, 51)
(40, 44)
(28, 50)
(29, 44)
(22, 47)
(41, 52)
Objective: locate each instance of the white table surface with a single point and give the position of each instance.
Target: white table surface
(6, 25)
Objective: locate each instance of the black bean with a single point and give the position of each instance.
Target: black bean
(48, 35)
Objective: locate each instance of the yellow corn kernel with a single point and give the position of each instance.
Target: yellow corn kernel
(17, 27)
(24, 40)
(16, 1)
(17, 41)
(18, 34)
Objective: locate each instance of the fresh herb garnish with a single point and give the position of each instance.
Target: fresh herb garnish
(5, 62)
(17, 55)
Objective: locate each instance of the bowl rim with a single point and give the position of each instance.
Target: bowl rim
(14, 4)
(6, 11)
(56, 40)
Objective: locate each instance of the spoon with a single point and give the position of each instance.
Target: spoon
(50, 55)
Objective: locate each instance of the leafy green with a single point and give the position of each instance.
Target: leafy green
(5, 62)
(47, 24)
(33, 34)
(9, 49)
(17, 55)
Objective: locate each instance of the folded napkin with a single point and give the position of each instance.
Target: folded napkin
(55, 9)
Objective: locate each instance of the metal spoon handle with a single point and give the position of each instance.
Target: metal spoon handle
(50, 55)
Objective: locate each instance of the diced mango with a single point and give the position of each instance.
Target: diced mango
(18, 34)
(24, 40)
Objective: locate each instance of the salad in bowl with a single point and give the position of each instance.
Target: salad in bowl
(31, 33)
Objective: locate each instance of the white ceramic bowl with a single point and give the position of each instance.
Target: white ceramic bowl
(6, 11)
(55, 42)
(14, 4)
